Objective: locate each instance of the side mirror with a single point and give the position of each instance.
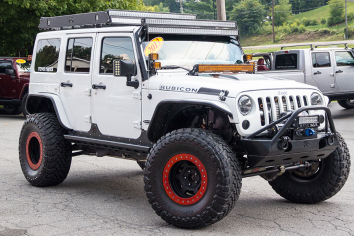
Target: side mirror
(10, 71)
(125, 68)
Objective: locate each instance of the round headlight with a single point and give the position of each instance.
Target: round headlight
(245, 105)
(316, 99)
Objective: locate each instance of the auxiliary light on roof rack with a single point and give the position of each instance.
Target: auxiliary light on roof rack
(154, 23)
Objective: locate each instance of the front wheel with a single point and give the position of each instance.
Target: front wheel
(192, 178)
(45, 156)
(347, 104)
(12, 109)
(317, 183)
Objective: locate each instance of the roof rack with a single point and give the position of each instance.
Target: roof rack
(332, 44)
(299, 45)
(165, 23)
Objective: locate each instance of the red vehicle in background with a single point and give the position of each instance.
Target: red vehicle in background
(14, 81)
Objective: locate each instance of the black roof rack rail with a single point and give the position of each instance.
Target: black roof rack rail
(332, 44)
(299, 45)
(165, 23)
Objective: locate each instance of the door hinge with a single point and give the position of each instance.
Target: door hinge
(88, 92)
(137, 95)
(88, 119)
(137, 124)
(332, 85)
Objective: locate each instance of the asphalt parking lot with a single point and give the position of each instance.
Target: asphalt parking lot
(105, 196)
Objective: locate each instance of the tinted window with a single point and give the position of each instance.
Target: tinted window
(344, 59)
(286, 62)
(5, 65)
(47, 55)
(78, 55)
(321, 59)
(115, 48)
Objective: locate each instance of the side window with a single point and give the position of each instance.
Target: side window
(286, 62)
(78, 55)
(5, 65)
(115, 48)
(47, 55)
(321, 59)
(344, 59)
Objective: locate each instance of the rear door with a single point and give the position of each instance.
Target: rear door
(344, 70)
(323, 71)
(6, 82)
(116, 107)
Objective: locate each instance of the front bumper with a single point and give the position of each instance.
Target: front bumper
(268, 152)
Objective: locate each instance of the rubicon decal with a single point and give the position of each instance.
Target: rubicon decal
(179, 89)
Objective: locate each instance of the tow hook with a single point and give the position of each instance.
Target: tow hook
(284, 143)
(281, 170)
(330, 138)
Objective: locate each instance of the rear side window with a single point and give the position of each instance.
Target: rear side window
(5, 65)
(115, 48)
(78, 55)
(286, 62)
(344, 59)
(321, 59)
(47, 55)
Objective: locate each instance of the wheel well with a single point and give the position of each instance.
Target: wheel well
(25, 91)
(173, 116)
(39, 104)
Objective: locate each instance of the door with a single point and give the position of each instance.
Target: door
(322, 71)
(116, 106)
(6, 82)
(344, 70)
(76, 80)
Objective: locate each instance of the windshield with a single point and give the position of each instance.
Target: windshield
(186, 53)
(23, 67)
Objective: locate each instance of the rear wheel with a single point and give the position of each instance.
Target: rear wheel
(45, 156)
(192, 178)
(12, 109)
(317, 183)
(347, 104)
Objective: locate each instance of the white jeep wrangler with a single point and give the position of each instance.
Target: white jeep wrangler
(194, 116)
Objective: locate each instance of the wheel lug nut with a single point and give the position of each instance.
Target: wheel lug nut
(189, 184)
(195, 182)
(185, 177)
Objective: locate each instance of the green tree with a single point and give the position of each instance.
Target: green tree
(336, 12)
(249, 15)
(281, 12)
(19, 19)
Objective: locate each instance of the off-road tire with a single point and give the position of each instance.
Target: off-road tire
(45, 156)
(224, 178)
(23, 105)
(330, 178)
(12, 109)
(347, 104)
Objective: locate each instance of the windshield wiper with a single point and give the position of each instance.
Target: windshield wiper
(173, 67)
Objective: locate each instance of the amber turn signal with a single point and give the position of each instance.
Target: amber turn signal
(249, 57)
(153, 56)
(156, 65)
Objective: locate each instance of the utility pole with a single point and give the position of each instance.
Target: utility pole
(220, 4)
(346, 21)
(181, 5)
(273, 20)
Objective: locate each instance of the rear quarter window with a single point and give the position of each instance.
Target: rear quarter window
(47, 55)
(286, 61)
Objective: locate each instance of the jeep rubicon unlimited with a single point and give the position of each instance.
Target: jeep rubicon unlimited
(14, 81)
(178, 96)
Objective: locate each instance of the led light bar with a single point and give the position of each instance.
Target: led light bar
(126, 21)
(308, 120)
(143, 14)
(163, 30)
(197, 23)
(207, 68)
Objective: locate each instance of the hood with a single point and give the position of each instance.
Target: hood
(178, 80)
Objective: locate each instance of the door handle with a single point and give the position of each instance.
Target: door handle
(62, 84)
(339, 71)
(96, 86)
(317, 73)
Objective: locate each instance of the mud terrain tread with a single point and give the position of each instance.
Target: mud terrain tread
(56, 150)
(322, 190)
(228, 171)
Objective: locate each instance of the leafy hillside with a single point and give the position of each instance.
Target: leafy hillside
(318, 32)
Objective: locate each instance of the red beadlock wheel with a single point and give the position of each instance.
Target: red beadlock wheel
(185, 179)
(34, 150)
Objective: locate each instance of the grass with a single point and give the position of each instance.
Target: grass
(312, 31)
